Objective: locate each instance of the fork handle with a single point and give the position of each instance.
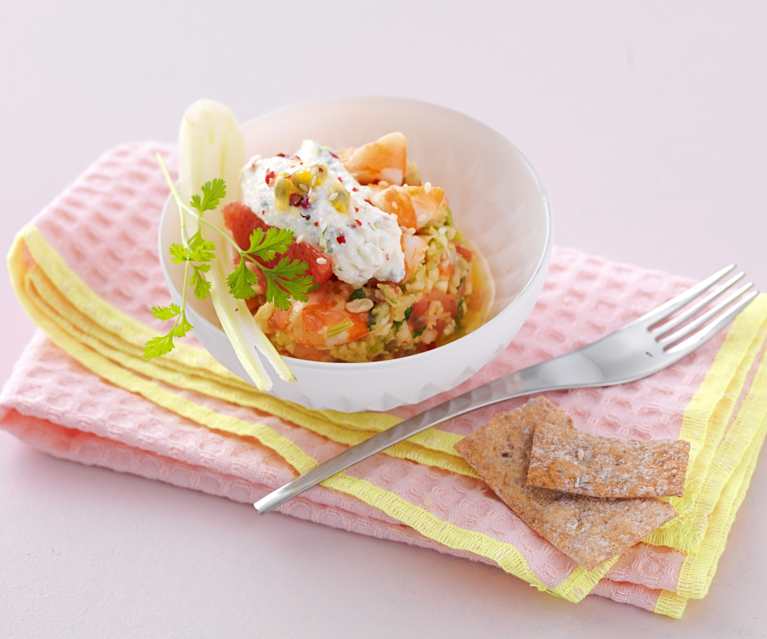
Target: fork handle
(554, 374)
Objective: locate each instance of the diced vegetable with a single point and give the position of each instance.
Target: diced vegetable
(242, 221)
(464, 252)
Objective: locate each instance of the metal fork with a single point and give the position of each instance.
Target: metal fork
(647, 345)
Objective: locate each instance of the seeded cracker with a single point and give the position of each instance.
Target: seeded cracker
(586, 529)
(566, 459)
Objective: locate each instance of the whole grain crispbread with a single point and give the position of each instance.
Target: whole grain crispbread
(586, 529)
(571, 461)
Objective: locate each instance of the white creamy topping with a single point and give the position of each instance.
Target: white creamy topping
(363, 242)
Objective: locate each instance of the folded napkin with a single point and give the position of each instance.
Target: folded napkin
(86, 269)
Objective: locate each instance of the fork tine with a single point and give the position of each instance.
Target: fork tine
(664, 310)
(698, 306)
(698, 322)
(694, 341)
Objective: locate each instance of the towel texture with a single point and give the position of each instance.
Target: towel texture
(87, 271)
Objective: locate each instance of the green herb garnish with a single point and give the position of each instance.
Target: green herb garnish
(460, 312)
(357, 294)
(339, 328)
(267, 245)
(287, 280)
(284, 281)
(196, 254)
(241, 281)
(163, 344)
(406, 316)
(212, 193)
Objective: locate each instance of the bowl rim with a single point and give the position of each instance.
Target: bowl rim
(424, 355)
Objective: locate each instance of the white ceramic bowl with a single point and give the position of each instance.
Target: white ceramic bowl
(496, 199)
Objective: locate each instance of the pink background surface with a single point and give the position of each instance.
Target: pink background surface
(646, 123)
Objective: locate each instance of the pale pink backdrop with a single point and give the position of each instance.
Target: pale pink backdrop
(646, 123)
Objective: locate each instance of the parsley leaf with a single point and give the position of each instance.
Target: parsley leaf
(181, 328)
(197, 249)
(178, 253)
(286, 280)
(267, 245)
(241, 281)
(197, 253)
(164, 344)
(213, 192)
(200, 283)
(158, 346)
(166, 312)
(201, 250)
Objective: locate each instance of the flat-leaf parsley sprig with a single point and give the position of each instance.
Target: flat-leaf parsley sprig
(284, 280)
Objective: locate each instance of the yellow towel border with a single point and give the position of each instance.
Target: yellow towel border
(52, 265)
(699, 568)
(708, 416)
(695, 576)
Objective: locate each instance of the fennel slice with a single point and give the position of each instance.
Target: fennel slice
(227, 308)
(211, 145)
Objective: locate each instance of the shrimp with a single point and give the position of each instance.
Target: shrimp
(414, 206)
(414, 247)
(429, 203)
(383, 159)
(321, 323)
(396, 200)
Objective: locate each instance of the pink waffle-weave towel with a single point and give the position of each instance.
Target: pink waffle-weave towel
(120, 197)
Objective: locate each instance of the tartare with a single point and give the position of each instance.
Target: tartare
(391, 274)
